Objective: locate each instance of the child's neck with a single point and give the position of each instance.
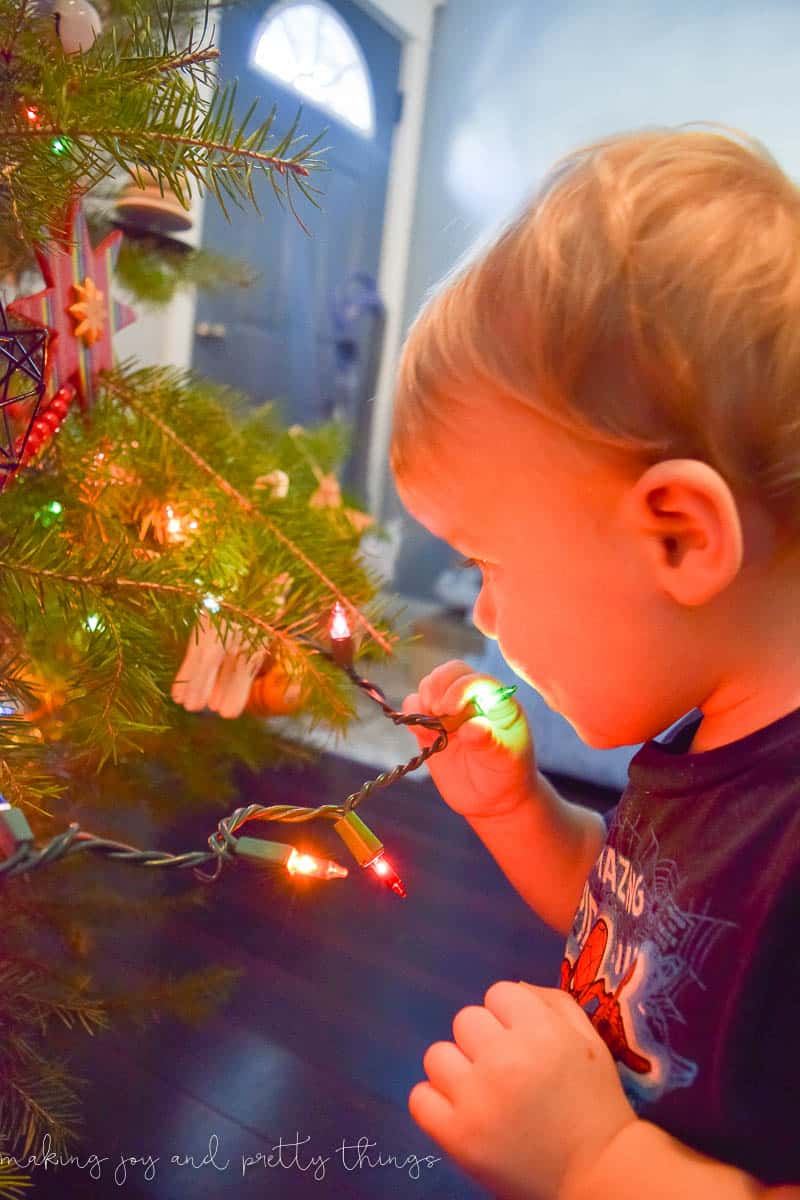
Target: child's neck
(725, 725)
(757, 650)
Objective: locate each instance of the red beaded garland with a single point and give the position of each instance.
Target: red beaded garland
(52, 420)
(48, 422)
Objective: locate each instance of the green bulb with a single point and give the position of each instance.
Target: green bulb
(49, 513)
(487, 697)
(59, 145)
(93, 623)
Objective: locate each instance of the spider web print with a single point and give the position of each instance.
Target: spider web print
(667, 945)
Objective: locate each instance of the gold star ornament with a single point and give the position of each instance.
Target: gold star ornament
(89, 311)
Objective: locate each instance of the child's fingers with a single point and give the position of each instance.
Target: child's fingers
(413, 704)
(563, 1004)
(434, 687)
(432, 1111)
(453, 700)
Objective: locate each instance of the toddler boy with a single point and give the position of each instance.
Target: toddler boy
(603, 412)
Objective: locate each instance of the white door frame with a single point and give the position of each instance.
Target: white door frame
(412, 21)
(168, 336)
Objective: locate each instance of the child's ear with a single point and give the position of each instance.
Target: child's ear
(690, 529)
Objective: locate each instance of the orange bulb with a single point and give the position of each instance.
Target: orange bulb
(173, 525)
(318, 868)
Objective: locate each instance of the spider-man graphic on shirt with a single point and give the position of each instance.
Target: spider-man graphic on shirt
(582, 981)
(632, 959)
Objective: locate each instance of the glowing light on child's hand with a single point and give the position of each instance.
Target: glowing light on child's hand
(486, 697)
(481, 700)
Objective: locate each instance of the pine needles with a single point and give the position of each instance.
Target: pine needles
(140, 96)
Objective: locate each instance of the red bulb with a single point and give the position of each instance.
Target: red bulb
(387, 875)
(340, 627)
(341, 637)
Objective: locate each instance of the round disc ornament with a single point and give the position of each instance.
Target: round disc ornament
(77, 23)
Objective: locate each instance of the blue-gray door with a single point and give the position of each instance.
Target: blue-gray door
(276, 340)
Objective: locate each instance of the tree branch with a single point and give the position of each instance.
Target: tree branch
(249, 508)
(281, 165)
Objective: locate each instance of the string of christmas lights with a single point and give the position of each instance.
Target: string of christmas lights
(19, 854)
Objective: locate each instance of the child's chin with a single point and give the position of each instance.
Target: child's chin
(596, 739)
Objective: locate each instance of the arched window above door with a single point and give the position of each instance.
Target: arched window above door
(307, 46)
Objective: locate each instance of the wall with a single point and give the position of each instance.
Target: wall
(514, 86)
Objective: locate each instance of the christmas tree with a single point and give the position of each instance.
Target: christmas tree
(170, 557)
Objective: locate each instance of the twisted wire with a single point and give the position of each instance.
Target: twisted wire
(75, 841)
(396, 773)
(222, 843)
(424, 720)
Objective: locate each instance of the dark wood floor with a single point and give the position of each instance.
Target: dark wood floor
(345, 987)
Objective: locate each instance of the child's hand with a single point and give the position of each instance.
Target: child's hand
(489, 765)
(527, 1098)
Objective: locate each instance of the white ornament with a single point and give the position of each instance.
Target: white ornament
(328, 494)
(77, 24)
(276, 481)
(216, 672)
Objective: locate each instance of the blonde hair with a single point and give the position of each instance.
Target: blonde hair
(647, 300)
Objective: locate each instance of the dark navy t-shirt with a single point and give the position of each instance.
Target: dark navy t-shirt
(685, 950)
